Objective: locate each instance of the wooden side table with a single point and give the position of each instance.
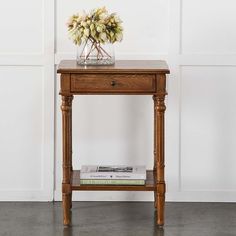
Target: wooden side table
(125, 77)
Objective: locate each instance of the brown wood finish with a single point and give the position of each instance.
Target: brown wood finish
(123, 66)
(125, 77)
(89, 83)
(159, 147)
(66, 108)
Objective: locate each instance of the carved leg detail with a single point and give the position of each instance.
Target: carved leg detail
(67, 157)
(70, 159)
(155, 152)
(159, 146)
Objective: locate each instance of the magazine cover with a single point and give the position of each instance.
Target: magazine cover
(112, 172)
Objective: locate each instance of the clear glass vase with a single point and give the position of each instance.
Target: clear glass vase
(93, 53)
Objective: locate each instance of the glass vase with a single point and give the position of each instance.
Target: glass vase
(93, 53)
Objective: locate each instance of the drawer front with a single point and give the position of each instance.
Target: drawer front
(86, 83)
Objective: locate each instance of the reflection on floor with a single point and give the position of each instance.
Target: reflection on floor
(117, 219)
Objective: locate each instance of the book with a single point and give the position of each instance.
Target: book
(113, 172)
(112, 182)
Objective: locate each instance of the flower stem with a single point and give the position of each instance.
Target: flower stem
(101, 53)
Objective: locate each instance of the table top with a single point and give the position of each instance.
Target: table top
(154, 66)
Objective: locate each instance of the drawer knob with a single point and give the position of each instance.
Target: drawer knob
(113, 83)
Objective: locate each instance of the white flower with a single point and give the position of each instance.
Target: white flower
(98, 26)
(119, 37)
(103, 36)
(86, 32)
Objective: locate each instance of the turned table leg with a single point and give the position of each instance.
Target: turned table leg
(155, 151)
(66, 108)
(70, 159)
(159, 106)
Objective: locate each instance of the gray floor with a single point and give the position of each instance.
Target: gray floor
(117, 219)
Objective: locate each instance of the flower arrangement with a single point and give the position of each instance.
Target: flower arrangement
(96, 28)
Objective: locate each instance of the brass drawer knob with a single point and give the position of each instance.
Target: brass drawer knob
(113, 83)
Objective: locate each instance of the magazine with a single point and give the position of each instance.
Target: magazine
(113, 172)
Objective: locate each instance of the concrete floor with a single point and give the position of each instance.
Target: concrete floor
(117, 219)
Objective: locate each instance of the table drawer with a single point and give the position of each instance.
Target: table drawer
(113, 83)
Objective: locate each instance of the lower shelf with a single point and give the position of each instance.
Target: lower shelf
(149, 186)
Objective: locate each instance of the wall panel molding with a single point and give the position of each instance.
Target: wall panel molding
(178, 60)
(206, 27)
(46, 62)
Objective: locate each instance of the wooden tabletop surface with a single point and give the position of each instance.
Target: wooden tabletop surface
(157, 66)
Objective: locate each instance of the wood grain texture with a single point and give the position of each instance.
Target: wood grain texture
(125, 77)
(149, 186)
(113, 83)
(66, 108)
(65, 84)
(159, 148)
(122, 66)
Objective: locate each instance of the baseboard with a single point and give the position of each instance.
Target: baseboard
(190, 196)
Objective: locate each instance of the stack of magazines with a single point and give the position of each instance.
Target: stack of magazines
(112, 175)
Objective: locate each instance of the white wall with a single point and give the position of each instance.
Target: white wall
(26, 100)
(201, 150)
(198, 40)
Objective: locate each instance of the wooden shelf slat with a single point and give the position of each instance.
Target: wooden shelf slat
(149, 185)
